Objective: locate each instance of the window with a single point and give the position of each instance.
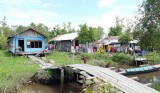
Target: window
(40, 44)
(34, 44)
(28, 44)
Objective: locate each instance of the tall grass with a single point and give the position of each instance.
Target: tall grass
(154, 56)
(64, 58)
(14, 71)
(156, 86)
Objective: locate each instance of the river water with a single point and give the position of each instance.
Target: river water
(153, 77)
(67, 88)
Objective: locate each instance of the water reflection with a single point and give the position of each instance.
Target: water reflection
(153, 77)
(67, 88)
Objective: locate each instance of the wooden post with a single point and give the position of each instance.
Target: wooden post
(84, 86)
(62, 79)
(73, 57)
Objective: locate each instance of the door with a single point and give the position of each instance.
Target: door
(21, 44)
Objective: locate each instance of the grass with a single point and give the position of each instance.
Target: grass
(65, 58)
(14, 71)
(154, 56)
(156, 86)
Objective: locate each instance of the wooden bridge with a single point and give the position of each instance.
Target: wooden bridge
(121, 82)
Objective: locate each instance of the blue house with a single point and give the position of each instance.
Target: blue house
(27, 42)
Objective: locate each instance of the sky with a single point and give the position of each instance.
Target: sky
(52, 12)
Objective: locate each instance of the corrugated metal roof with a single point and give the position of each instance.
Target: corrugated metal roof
(134, 41)
(53, 39)
(70, 36)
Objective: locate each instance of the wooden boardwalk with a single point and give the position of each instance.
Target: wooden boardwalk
(43, 64)
(121, 82)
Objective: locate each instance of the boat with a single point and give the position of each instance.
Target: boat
(140, 70)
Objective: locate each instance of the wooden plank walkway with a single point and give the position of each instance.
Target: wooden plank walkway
(119, 81)
(43, 64)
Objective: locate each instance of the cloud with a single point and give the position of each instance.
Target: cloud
(105, 3)
(108, 19)
(23, 12)
(105, 20)
(17, 17)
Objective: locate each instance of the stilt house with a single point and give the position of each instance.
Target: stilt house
(66, 42)
(29, 41)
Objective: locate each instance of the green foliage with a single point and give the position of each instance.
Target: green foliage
(84, 34)
(125, 37)
(106, 88)
(14, 71)
(57, 30)
(64, 58)
(89, 34)
(102, 88)
(115, 31)
(122, 59)
(3, 22)
(3, 41)
(98, 32)
(155, 56)
(86, 55)
(20, 28)
(156, 86)
(148, 26)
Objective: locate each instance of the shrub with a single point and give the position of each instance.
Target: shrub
(87, 55)
(156, 86)
(3, 41)
(122, 59)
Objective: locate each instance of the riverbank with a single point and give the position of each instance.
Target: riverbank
(98, 59)
(15, 71)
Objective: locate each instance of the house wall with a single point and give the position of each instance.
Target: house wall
(64, 45)
(27, 50)
(26, 36)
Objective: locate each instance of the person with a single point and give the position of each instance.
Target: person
(19, 48)
(118, 49)
(109, 48)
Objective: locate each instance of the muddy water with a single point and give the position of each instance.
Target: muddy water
(67, 88)
(153, 77)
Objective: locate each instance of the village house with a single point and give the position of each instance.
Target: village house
(113, 41)
(66, 42)
(29, 41)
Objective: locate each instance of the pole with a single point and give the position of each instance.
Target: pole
(73, 57)
(62, 79)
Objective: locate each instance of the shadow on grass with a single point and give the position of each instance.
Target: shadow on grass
(7, 53)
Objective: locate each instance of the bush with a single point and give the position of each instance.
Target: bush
(3, 41)
(87, 55)
(156, 86)
(122, 59)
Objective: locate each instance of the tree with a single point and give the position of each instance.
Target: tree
(116, 30)
(4, 29)
(148, 28)
(69, 28)
(98, 32)
(3, 22)
(20, 28)
(40, 28)
(89, 34)
(125, 37)
(83, 36)
(3, 41)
